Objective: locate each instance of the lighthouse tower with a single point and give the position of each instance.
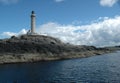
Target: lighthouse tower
(32, 22)
(32, 30)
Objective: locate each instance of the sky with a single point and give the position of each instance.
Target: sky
(79, 22)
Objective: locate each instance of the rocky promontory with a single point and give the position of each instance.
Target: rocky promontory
(31, 48)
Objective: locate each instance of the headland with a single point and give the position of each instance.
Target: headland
(32, 48)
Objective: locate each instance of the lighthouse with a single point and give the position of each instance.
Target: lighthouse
(32, 30)
(33, 22)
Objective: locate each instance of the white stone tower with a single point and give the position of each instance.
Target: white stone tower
(33, 23)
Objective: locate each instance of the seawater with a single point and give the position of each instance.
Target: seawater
(97, 69)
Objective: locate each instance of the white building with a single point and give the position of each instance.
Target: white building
(33, 23)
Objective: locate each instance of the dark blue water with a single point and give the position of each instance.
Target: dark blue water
(96, 69)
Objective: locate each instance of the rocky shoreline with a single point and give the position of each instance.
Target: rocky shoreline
(33, 48)
(18, 58)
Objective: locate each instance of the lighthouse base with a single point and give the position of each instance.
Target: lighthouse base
(31, 33)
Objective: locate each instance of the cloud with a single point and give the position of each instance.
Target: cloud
(104, 31)
(9, 34)
(9, 1)
(108, 3)
(58, 1)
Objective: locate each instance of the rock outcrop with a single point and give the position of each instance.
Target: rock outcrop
(30, 48)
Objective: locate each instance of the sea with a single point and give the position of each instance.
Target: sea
(96, 69)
